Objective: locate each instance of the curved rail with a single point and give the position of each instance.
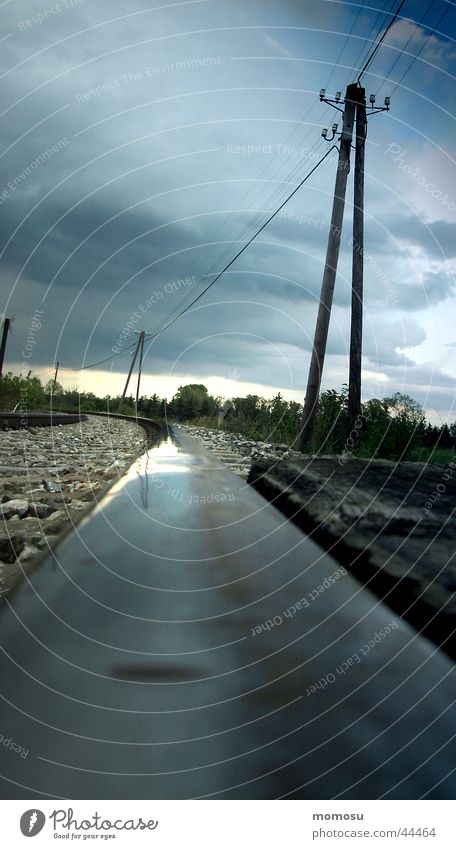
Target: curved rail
(153, 429)
(23, 420)
(189, 642)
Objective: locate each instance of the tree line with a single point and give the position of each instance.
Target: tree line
(393, 428)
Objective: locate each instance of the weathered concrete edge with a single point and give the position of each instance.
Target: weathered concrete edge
(388, 576)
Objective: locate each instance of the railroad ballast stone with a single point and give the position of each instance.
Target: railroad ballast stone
(49, 476)
(235, 450)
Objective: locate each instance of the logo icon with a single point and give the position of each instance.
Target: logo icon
(32, 822)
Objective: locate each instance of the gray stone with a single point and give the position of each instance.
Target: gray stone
(55, 523)
(15, 507)
(10, 546)
(28, 552)
(41, 510)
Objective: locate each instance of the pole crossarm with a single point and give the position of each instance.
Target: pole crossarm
(329, 274)
(354, 107)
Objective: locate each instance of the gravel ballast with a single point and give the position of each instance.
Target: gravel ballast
(49, 477)
(237, 451)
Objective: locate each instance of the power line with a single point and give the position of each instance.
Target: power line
(404, 48)
(154, 335)
(271, 200)
(378, 45)
(434, 29)
(369, 38)
(336, 64)
(274, 195)
(268, 203)
(100, 362)
(243, 234)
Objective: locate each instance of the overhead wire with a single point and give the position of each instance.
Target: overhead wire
(238, 254)
(404, 48)
(242, 237)
(380, 42)
(336, 64)
(276, 193)
(290, 177)
(376, 27)
(269, 202)
(99, 362)
(417, 55)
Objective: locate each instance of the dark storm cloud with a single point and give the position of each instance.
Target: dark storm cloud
(437, 239)
(435, 288)
(120, 142)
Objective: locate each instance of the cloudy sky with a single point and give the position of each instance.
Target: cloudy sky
(143, 143)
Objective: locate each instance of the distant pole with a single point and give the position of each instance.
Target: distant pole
(121, 402)
(329, 274)
(6, 326)
(354, 380)
(55, 377)
(142, 336)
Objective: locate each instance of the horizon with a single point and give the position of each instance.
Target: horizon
(132, 175)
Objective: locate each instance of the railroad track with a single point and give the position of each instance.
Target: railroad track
(189, 642)
(26, 420)
(153, 430)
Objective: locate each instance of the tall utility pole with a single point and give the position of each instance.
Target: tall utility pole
(55, 377)
(121, 402)
(6, 327)
(354, 380)
(329, 274)
(142, 336)
(138, 350)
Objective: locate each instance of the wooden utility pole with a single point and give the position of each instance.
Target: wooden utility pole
(354, 380)
(329, 274)
(121, 402)
(142, 336)
(55, 377)
(6, 327)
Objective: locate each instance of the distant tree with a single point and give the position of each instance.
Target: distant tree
(191, 401)
(26, 392)
(50, 389)
(407, 429)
